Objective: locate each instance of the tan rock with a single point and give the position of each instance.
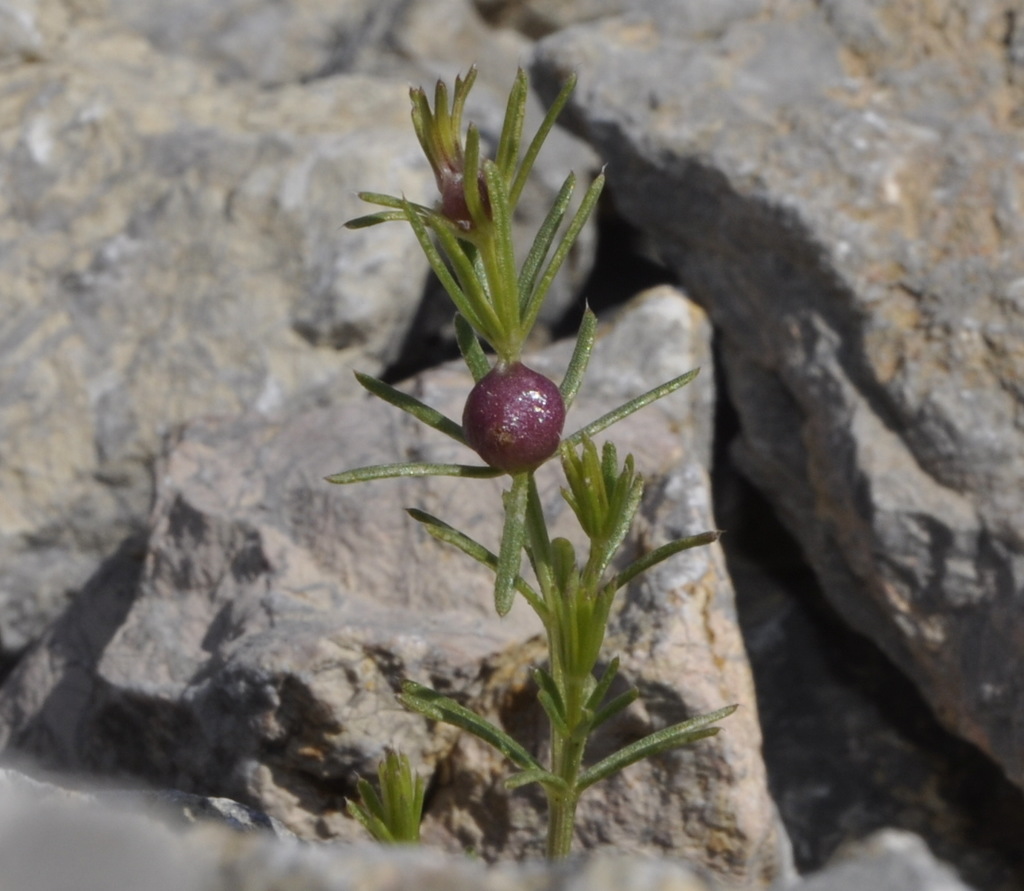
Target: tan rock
(172, 249)
(276, 615)
(839, 185)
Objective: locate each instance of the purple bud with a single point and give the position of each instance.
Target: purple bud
(451, 184)
(514, 417)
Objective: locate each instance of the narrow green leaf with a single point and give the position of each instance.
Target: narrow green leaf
(370, 799)
(562, 251)
(465, 288)
(469, 346)
(465, 293)
(391, 201)
(653, 744)
(603, 685)
(660, 554)
(592, 629)
(450, 535)
(624, 411)
(437, 707)
(423, 123)
(501, 269)
(438, 264)
(622, 515)
(555, 716)
(462, 87)
(547, 684)
(512, 128)
(614, 706)
(410, 469)
(470, 179)
(538, 542)
(410, 404)
(537, 775)
(373, 219)
(476, 261)
(478, 307)
(610, 463)
(523, 173)
(370, 822)
(512, 536)
(580, 357)
(442, 118)
(542, 244)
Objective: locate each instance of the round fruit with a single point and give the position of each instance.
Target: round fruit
(514, 417)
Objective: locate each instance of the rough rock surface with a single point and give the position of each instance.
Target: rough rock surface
(849, 744)
(50, 841)
(170, 248)
(886, 861)
(171, 805)
(275, 616)
(840, 185)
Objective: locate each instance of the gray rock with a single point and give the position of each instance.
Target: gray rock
(275, 616)
(302, 40)
(171, 249)
(886, 861)
(849, 745)
(537, 18)
(839, 187)
(53, 846)
(171, 806)
(305, 40)
(271, 43)
(192, 809)
(51, 840)
(53, 843)
(171, 246)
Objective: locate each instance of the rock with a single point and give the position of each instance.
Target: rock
(193, 809)
(849, 745)
(537, 18)
(34, 30)
(172, 250)
(56, 845)
(50, 842)
(304, 41)
(838, 187)
(270, 43)
(886, 861)
(275, 616)
(169, 805)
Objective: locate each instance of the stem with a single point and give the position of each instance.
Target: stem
(561, 822)
(566, 759)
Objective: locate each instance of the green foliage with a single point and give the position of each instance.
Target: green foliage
(474, 255)
(467, 239)
(394, 815)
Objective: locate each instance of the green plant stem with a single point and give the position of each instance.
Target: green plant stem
(566, 760)
(561, 821)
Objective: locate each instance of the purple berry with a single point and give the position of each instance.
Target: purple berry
(513, 418)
